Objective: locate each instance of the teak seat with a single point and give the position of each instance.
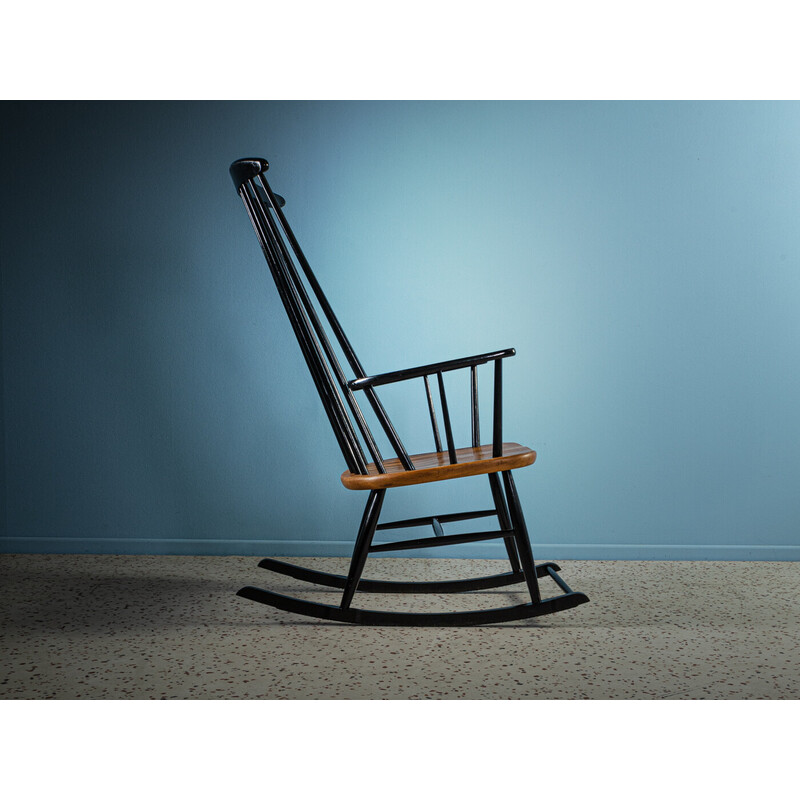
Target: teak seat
(430, 467)
(319, 335)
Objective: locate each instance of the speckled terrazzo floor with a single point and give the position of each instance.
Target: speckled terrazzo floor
(141, 627)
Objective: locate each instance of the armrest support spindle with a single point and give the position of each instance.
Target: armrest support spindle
(497, 433)
(448, 432)
(436, 439)
(476, 425)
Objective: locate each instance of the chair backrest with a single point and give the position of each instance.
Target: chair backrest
(294, 278)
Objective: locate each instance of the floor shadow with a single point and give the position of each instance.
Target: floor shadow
(85, 601)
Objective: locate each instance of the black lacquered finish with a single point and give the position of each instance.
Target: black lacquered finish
(441, 519)
(441, 540)
(322, 340)
(450, 619)
(432, 411)
(505, 523)
(430, 369)
(409, 587)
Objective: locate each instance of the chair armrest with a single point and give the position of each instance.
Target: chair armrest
(430, 369)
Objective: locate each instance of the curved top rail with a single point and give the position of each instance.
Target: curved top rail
(246, 168)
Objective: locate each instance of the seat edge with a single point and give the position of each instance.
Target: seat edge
(520, 456)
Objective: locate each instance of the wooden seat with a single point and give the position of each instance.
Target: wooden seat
(316, 329)
(429, 467)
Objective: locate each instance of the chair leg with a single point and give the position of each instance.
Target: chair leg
(511, 519)
(521, 536)
(363, 541)
(502, 518)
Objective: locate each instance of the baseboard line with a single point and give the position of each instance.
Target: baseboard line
(322, 548)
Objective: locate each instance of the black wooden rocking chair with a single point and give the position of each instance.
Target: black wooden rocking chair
(338, 395)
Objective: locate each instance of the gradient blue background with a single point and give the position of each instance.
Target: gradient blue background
(643, 258)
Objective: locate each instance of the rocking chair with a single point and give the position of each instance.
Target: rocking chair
(350, 427)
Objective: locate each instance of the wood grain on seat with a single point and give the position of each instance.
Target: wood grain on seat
(430, 467)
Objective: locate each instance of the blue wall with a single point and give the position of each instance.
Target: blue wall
(643, 258)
